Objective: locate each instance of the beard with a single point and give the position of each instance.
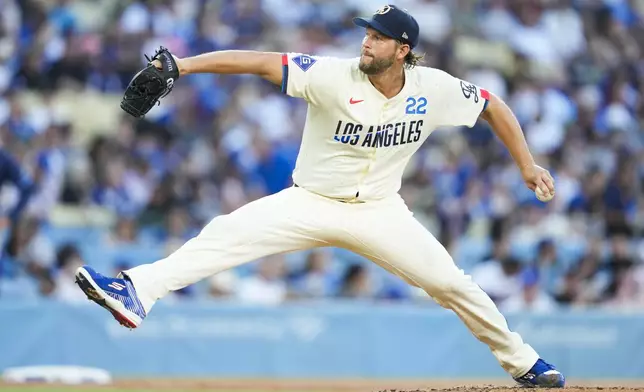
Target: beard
(377, 65)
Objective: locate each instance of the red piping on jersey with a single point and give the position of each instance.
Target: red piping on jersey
(284, 73)
(486, 96)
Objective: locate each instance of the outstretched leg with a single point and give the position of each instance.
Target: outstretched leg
(287, 221)
(388, 234)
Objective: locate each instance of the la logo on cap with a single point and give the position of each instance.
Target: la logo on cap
(383, 10)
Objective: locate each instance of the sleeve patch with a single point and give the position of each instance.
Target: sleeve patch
(304, 62)
(470, 91)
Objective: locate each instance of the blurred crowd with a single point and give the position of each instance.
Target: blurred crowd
(571, 70)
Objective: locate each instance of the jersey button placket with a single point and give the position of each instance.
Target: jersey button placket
(374, 150)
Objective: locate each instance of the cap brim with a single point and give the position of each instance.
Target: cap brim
(363, 22)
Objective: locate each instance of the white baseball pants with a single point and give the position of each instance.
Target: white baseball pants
(383, 231)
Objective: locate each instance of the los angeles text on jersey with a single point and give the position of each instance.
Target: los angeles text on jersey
(378, 136)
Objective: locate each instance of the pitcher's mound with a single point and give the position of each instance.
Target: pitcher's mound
(517, 389)
(462, 385)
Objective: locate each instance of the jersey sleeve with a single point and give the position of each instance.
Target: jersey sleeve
(461, 103)
(308, 77)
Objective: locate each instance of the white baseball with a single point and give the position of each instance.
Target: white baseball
(545, 197)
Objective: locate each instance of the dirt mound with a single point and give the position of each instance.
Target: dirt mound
(258, 385)
(506, 389)
(271, 385)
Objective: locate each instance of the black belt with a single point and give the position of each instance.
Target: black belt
(341, 201)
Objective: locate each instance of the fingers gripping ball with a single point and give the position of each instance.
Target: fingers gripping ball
(151, 84)
(544, 197)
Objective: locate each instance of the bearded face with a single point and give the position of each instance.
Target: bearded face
(372, 65)
(378, 52)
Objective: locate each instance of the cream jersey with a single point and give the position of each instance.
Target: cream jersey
(356, 142)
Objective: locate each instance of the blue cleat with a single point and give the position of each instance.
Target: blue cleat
(114, 294)
(542, 375)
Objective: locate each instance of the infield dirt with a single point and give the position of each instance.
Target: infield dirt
(266, 385)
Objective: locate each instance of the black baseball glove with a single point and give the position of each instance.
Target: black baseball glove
(150, 84)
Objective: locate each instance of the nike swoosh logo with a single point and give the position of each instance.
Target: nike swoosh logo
(353, 102)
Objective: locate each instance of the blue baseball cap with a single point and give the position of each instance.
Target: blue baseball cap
(393, 22)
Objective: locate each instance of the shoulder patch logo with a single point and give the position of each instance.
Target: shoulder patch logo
(469, 90)
(304, 62)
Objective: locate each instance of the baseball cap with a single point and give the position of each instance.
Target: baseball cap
(393, 22)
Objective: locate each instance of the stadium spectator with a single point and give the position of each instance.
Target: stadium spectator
(570, 70)
(356, 283)
(500, 275)
(532, 297)
(68, 259)
(314, 280)
(267, 286)
(223, 285)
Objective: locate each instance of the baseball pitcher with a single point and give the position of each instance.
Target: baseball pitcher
(366, 117)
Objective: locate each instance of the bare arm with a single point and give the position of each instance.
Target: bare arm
(267, 65)
(507, 128)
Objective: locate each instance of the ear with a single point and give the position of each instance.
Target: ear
(403, 50)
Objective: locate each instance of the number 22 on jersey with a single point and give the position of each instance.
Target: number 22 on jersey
(416, 106)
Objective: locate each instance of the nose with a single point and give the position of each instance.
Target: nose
(366, 43)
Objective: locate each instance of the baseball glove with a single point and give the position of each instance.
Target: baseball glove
(150, 84)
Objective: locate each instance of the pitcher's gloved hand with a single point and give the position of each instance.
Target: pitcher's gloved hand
(152, 83)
